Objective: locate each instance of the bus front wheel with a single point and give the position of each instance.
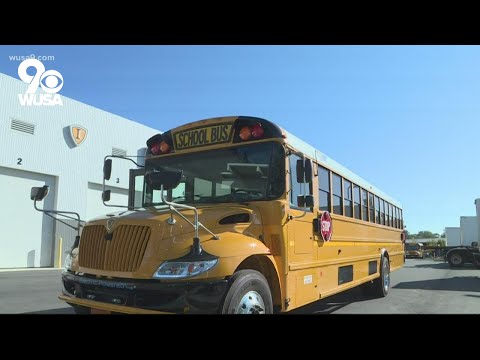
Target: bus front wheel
(249, 293)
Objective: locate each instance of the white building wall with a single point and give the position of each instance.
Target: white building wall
(452, 235)
(51, 153)
(477, 205)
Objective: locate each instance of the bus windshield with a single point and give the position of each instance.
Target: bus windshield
(412, 246)
(251, 172)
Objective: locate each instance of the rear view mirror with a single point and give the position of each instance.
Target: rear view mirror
(300, 172)
(305, 201)
(168, 178)
(304, 171)
(308, 171)
(107, 169)
(39, 193)
(106, 195)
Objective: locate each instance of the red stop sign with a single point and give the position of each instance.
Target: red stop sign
(326, 228)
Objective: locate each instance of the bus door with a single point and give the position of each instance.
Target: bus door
(302, 252)
(135, 188)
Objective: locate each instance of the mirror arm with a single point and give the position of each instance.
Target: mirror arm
(196, 224)
(61, 213)
(103, 182)
(64, 223)
(215, 237)
(126, 157)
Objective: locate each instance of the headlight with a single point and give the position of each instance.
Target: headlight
(183, 269)
(68, 263)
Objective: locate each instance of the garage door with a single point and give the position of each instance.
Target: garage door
(26, 236)
(95, 205)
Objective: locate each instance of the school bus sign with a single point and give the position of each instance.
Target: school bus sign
(203, 136)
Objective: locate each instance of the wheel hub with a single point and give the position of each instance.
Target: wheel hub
(251, 303)
(456, 259)
(386, 276)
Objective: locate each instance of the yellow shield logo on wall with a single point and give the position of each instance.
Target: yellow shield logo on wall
(78, 134)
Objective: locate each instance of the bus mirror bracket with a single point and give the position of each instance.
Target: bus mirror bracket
(107, 172)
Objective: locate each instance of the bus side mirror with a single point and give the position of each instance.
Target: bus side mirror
(168, 178)
(106, 195)
(300, 172)
(304, 171)
(39, 193)
(308, 171)
(305, 201)
(107, 169)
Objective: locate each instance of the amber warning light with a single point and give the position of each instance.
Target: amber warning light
(247, 132)
(158, 145)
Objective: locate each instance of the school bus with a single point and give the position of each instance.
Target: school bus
(415, 250)
(234, 215)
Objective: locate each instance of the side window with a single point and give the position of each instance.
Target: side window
(324, 191)
(387, 213)
(377, 210)
(347, 196)
(390, 214)
(401, 218)
(371, 207)
(395, 217)
(356, 202)
(297, 188)
(337, 194)
(382, 212)
(138, 192)
(364, 205)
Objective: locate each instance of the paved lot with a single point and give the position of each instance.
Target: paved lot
(31, 291)
(421, 287)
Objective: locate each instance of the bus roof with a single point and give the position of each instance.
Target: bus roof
(331, 164)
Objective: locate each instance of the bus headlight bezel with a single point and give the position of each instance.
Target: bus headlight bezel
(68, 262)
(175, 269)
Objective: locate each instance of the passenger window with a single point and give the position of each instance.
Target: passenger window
(337, 194)
(347, 196)
(324, 191)
(356, 202)
(364, 205)
(371, 207)
(382, 212)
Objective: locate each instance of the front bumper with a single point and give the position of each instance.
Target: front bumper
(143, 296)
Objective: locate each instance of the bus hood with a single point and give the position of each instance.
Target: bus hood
(134, 243)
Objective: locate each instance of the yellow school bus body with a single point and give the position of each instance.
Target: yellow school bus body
(299, 265)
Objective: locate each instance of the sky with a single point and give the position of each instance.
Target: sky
(405, 118)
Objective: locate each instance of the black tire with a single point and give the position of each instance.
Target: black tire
(380, 286)
(81, 310)
(248, 293)
(455, 259)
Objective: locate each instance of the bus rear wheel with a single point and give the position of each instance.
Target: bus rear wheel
(249, 293)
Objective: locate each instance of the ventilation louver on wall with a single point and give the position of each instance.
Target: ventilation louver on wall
(119, 152)
(22, 126)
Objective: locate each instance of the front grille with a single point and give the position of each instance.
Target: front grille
(124, 252)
